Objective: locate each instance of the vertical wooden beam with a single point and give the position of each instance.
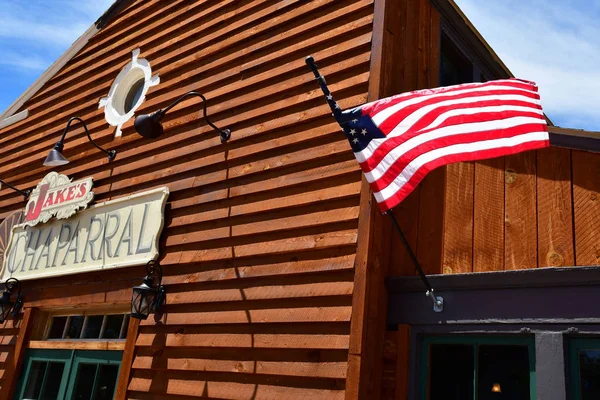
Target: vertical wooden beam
(488, 216)
(369, 300)
(14, 368)
(406, 37)
(555, 208)
(403, 362)
(431, 194)
(128, 354)
(520, 220)
(586, 200)
(458, 218)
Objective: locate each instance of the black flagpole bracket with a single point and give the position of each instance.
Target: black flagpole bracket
(342, 118)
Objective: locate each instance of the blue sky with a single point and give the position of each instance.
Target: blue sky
(555, 43)
(34, 33)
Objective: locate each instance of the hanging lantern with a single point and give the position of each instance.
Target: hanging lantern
(147, 297)
(6, 305)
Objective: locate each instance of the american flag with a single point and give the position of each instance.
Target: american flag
(398, 140)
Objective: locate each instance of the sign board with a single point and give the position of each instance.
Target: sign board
(113, 234)
(6, 229)
(57, 196)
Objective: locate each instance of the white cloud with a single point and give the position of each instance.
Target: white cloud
(23, 61)
(556, 44)
(56, 23)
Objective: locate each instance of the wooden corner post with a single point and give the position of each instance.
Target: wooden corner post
(369, 301)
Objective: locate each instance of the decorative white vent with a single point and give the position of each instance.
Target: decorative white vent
(128, 91)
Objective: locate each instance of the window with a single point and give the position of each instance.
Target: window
(128, 91)
(455, 68)
(584, 368)
(82, 327)
(480, 368)
(69, 374)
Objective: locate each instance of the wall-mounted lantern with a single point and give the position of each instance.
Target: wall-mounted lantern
(148, 297)
(7, 306)
(25, 193)
(150, 127)
(56, 158)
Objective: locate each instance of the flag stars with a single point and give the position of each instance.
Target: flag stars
(363, 132)
(355, 140)
(354, 121)
(337, 107)
(329, 97)
(352, 132)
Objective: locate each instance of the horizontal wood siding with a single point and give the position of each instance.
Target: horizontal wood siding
(531, 210)
(9, 332)
(260, 237)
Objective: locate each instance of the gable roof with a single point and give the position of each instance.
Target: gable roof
(108, 15)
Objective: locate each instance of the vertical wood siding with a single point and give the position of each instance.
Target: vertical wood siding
(531, 210)
(260, 237)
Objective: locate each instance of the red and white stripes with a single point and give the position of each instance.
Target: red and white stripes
(429, 128)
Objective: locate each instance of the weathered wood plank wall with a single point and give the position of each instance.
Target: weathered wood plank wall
(260, 236)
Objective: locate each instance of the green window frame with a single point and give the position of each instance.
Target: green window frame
(575, 345)
(72, 360)
(475, 341)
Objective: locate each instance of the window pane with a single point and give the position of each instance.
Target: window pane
(84, 382)
(125, 326)
(113, 326)
(93, 326)
(74, 330)
(451, 371)
(57, 328)
(107, 380)
(503, 372)
(589, 367)
(53, 380)
(36, 378)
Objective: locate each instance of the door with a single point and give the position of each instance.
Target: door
(69, 374)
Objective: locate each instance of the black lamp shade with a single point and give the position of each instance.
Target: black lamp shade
(55, 157)
(6, 306)
(142, 301)
(148, 125)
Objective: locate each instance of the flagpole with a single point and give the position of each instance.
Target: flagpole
(438, 302)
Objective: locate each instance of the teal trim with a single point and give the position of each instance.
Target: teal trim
(574, 347)
(92, 357)
(72, 360)
(476, 341)
(39, 355)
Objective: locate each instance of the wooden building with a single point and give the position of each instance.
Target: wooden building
(283, 280)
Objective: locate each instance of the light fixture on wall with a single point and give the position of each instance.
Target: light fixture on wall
(150, 127)
(56, 158)
(148, 297)
(25, 193)
(496, 388)
(6, 305)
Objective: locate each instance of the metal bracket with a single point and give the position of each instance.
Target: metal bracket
(438, 302)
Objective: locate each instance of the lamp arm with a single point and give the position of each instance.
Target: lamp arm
(11, 283)
(225, 133)
(25, 193)
(153, 267)
(111, 153)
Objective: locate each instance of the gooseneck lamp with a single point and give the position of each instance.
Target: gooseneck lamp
(150, 127)
(7, 306)
(25, 193)
(56, 158)
(148, 297)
